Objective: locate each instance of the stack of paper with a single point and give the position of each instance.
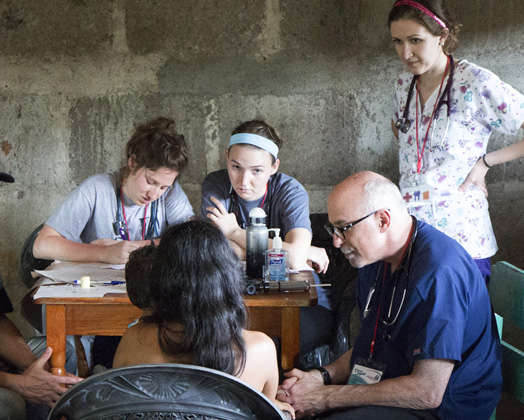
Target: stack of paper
(104, 279)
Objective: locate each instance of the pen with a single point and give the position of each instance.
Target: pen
(113, 282)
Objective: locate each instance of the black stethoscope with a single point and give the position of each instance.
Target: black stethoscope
(234, 206)
(120, 226)
(403, 267)
(404, 124)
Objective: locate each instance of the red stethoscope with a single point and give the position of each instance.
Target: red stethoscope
(404, 123)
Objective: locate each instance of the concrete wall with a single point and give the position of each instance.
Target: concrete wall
(76, 76)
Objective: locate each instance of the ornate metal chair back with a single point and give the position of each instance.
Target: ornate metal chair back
(163, 391)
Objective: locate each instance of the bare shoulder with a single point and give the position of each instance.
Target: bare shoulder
(140, 331)
(259, 346)
(256, 340)
(261, 368)
(134, 342)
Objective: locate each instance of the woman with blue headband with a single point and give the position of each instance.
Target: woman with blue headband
(251, 180)
(446, 111)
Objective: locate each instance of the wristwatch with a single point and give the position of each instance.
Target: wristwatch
(326, 377)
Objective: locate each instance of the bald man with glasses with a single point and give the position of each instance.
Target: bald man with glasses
(428, 346)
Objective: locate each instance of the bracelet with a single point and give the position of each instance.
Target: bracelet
(152, 242)
(485, 163)
(326, 377)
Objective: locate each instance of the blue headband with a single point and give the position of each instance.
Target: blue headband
(254, 140)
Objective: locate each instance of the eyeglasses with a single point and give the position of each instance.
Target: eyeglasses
(339, 231)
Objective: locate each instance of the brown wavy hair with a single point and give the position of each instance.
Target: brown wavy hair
(154, 145)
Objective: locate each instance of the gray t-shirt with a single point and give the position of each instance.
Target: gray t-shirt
(90, 211)
(287, 204)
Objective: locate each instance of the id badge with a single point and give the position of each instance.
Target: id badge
(417, 195)
(366, 372)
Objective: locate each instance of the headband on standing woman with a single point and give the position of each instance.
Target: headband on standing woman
(423, 9)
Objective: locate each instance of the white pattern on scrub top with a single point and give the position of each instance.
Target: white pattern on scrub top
(480, 103)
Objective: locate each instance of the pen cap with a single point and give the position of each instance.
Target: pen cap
(85, 282)
(277, 240)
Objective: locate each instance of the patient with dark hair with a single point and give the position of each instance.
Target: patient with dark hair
(139, 268)
(195, 309)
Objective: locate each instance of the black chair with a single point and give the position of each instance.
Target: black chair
(26, 264)
(163, 391)
(27, 261)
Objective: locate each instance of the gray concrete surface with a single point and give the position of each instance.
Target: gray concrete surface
(76, 76)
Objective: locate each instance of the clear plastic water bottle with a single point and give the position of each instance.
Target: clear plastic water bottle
(256, 246)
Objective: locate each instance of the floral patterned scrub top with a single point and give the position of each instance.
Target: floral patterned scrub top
(480, 103)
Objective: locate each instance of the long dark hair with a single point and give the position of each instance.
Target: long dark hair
(197, 283)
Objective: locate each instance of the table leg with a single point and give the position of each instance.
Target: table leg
(290, 337)
(56, 337)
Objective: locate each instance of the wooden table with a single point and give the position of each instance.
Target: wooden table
(276, 314)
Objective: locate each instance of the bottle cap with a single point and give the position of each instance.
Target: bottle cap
(257, 216)
(277, 240)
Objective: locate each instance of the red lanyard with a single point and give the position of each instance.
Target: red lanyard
(261, 205)
(125, 219)
(372, 349)
(236, 208)
(378, 315)
(421, 153)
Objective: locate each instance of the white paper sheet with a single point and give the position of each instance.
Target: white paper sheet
(73, 290)
(69, 272)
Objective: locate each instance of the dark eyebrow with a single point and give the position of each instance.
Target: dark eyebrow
(409, 37)
(250, 167)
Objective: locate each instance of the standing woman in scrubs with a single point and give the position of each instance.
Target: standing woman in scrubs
(446, 110)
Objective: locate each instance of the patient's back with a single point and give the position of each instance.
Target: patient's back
(140, 345)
